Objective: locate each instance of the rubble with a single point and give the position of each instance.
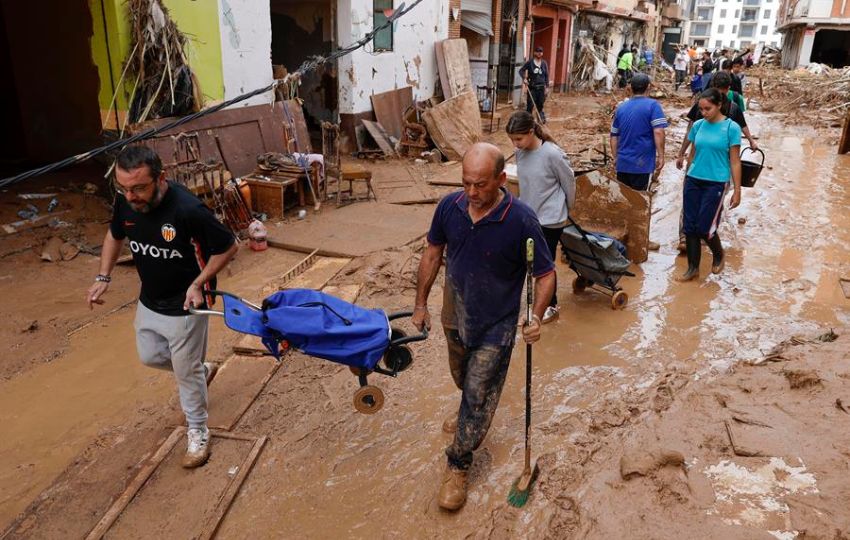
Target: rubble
(797, 92)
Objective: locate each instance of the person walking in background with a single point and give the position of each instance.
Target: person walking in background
(680, 65)
(535, 81)
(624, 68)
(714, 164)
(178, 247)
(546, 184)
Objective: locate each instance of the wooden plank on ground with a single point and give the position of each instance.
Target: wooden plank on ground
(380, 135)
(389, 108)
(454, 125)
(318, 275)
(456, 55)
(236, 386)
(349, 293)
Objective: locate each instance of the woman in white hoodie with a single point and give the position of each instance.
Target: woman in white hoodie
(546, 183)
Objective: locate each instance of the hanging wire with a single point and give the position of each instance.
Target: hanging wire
(308, 65)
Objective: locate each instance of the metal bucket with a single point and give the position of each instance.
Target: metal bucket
(750, 170)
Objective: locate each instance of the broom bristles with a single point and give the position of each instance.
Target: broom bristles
(521, 488)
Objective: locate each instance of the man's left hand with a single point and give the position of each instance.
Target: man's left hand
(531, 330)
(194, 297)
(659, 164)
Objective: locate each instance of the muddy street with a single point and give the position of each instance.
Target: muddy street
(660, 420)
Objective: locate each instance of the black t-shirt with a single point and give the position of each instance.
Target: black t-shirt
(707, 67)
(538, 76)
(732, 112)
(170, 246)
(736, 84)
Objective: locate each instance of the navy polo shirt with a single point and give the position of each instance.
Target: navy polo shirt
(485, 263)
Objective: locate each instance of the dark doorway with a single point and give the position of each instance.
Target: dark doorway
(49, 87)
(832, 47)
(672, 36)
(302, 29)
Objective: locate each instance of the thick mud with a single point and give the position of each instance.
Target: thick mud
(631, 407)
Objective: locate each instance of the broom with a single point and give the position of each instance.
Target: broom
(521, 488)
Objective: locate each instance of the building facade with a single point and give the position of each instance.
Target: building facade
(815, 31)
(734, 24)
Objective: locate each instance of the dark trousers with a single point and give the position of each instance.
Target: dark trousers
(538, 95)
(638, 181)
(553, 237)
(480, 373)
(680, 77)
(702, 206)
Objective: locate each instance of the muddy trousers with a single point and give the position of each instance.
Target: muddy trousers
(553, 238)
(177, 344)
(536, 96)
(702, 209)
(480, 373)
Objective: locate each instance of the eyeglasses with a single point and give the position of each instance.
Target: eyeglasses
(135, 190)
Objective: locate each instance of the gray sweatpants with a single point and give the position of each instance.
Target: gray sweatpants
(177, 344)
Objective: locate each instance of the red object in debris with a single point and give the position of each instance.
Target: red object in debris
(257, 236)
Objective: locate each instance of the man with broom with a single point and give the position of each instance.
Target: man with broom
(483, 231)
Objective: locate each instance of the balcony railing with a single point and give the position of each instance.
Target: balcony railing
(705, 2)
(700, 30)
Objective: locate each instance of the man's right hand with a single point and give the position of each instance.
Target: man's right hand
(421, 318)
(97, 290)
(680, 162)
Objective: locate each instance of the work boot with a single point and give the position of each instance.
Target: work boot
(198, 450)
(694, 251)
(453, 489)
(653, 246)
(450, 424)
(718, 255)
(210, 369)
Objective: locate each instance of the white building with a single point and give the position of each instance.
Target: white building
(815, 31)
(734, 23)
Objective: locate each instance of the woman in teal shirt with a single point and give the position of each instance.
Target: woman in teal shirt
(715, 163)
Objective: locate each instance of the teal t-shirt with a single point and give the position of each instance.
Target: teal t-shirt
(712, 142)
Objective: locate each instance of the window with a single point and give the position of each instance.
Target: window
(737, 13)
(764, 30)
(748, 31)
(718, 43)
(383, 40)
(732, 43)
(744, 43)
(734, 28)
(700, 29)
(720, 29)
(722, 14)
(767, 14)
(704, 14)
(773, 44)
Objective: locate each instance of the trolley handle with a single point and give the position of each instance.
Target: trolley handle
(406, 339)
(195, 311)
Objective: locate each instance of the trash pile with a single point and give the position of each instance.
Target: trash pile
(819, 93)
(589, 71)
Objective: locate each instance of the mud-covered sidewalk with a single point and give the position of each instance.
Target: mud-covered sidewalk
(713, 409)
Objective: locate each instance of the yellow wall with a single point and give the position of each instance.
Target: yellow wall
(198, 20)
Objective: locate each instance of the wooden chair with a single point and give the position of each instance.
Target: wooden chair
(488, 95)
(339, 172)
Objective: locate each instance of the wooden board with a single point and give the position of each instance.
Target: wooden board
(319, 274)
(844, 143)
(441, 69)
(236, 386)
(349, 293)
(454, 125)
(354, 230)
(389, 108)
(380, 135)
(244, 133)
(147, 507)
(456, 56)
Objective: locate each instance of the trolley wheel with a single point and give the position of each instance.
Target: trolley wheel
(579, 284)
(359, 371)
(398, 358)
(619, 300)
(395, 334)
(368, 399)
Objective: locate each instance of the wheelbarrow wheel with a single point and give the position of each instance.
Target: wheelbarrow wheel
(579, 285)
(368, 399)
(619, 300)
(398, 358)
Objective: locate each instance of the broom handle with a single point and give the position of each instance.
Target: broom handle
(529, 298)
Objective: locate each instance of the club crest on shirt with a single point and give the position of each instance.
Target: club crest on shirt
(168, 232)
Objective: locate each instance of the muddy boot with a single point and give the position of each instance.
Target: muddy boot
(453, 489)
(198, 450)
(694, 251)
(718, 255)
(450, 424)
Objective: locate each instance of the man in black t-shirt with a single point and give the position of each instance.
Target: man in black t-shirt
(178, 247)
(535, 78)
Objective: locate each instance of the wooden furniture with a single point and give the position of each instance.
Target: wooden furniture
(487, 95)
(268, 195)
(337, 173)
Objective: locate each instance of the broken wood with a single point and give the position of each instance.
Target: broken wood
(454, 125)
(389, 109)
(458, 75)
(27, 224)
(51, 251)
(300, 266)
(844, 143)
(380, 136)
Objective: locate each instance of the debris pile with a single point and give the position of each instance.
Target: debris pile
(163, 83)
(589, 71)
(797, 92)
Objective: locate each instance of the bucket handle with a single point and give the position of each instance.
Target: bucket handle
(754, 151)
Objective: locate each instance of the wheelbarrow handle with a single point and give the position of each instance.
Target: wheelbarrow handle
(194, 311)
